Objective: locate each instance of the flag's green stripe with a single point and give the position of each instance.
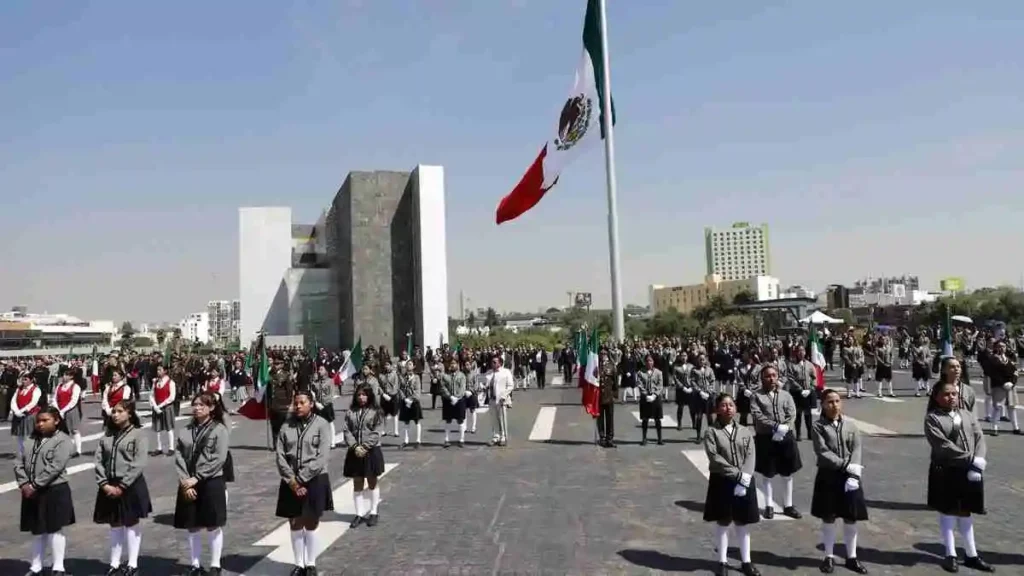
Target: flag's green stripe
(592, 44)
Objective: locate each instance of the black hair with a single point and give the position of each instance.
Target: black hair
(942, 367)
(722, 398)
(371, 399)
(55, 414)
(216, 405)
(828, 392)
(933, 404)
(133, 416)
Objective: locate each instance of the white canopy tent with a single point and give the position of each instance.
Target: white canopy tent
(819, 317)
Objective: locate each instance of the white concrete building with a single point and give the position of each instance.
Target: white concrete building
(264, 255)
(225, 316)
(738, 252)
(195, 328)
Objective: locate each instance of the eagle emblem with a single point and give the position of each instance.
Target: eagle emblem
(573, 121)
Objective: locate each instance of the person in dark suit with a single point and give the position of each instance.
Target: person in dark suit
(539, 364)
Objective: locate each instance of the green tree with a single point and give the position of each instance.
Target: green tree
(161, 337)
(471, 320)
(127, 330)
(491, 318)
(743, 297)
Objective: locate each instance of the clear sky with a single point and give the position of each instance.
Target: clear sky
(874, 138)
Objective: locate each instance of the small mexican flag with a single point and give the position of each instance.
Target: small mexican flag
(580, 123)
(354, 363)
(592, 383)
(817, 359)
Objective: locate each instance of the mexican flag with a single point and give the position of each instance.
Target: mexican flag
(354, 364)
(581, 122)
(947, 334)
(257, 407)
(591, 381)
(581, 358)
(817, 359)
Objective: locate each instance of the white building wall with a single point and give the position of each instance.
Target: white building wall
(432, 283)
(264, 255)
(196, 327)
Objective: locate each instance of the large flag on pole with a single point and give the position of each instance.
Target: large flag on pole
(591, 380)
(817, 359)
(580, 123)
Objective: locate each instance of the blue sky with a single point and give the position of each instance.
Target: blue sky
(873, 137)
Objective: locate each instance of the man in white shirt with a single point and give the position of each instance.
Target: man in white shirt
(500, 384)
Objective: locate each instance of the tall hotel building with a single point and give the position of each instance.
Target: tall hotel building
(738, 252)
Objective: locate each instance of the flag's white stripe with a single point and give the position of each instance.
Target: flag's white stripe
(699, 459)
(544, 424)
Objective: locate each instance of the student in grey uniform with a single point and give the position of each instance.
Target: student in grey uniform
(731, 497)
(202, 492)
(749, 374)
(68, 398)
(322, 388)
(773, 412)
(472, 375)
(162, 396)
(801, 381)
(411, 409)
(883, 365)
(389, 400)
(453, 402)
(24, 407)
(955, 476)
(681, 376)
(853, 368)
(950, 372)
(46, 505)
(651, 384)
(837, 485)
(123, 496)
(303, 457)
(364, 463)
(1002, 373)
(919, 367)
(702, 381)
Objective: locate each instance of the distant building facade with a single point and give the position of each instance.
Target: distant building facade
(195, 328)
(20, 329)
(738, 252)
(686, 299)
(225, 318)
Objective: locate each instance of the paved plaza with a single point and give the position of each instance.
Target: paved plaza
(549, 503)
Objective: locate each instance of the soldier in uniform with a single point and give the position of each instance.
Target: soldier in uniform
(609, 383)
(651, 384)
(1002, 373)
(801, 382)
(282, 391)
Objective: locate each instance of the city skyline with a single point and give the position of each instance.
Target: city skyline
(871, 148)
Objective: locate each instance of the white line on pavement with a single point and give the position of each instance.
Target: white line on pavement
(544, 425)
(867, 428)
(558, 380)
(887, 399)
(280, 559)
(9, 486)
(666, 420)
(699, 459)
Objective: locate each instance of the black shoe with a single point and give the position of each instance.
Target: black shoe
(416, 446)
(1017, 432)
(372, 520)
(58, 573)
(643, 442)
(129, 571)
(310, 570)
(828, 565)
(749, 569)
(949, 564)
(115, 571)
(854, 565)
(356, 522)
(446, 445)
(978, 564)
(661, 443)
(462, 444)
(213, 572)
(769, 513)
(196, 571)
(298, 571)
(723, 570)
(679, 426)
(611, 443)
(792, 512)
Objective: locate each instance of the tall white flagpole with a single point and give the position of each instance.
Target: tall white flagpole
(618, 320)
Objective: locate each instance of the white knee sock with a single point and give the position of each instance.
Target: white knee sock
(1013, 417)
(419, 432)
(38, 549)
(787, 483)
(311, 550)
(116, 546)
(850, 536)
(333, 434)
(133, 541)
(769, 499)
(405, 433)
(299, 546)
(966, 525)
(58, 547)
(447, 431)
(743, 532)
(988, 408)
(159, 441)
(21, 445)
(216, 547)
(374, 500)
(880, 385)
(462, 431)
(195, 549)
(946, 524)
(472, 421)
(722, 543)
(889, 382)
(77, 437)
(395, 419)
(828, 538)
(357, 499)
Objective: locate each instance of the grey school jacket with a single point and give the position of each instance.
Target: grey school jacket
(121, 457)
(323, 390)
(45, 461)
(800, 376)
(409, 386)
(967, 397)
(770, 410)
(363, 427)
(202, 451)
(836, 444)
(954, 445)
(884, 355)
(650, 382)
(303, 448)
(730, 450)
(389, 383)
(453, 384)
(702, 379)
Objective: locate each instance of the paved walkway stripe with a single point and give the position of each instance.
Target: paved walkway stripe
(10, 486)
(544, 424)
(888, 399)
(866, 428)
(699, 459)
(558, 381)
(280, 559)
(666, 420)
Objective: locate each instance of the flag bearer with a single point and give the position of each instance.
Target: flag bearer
(46, 505)
(364, 463)
(773, 411)
(68, 397)
(24, 407)
(162, 397)
(609, 391)
(411, 410)
(731, 497)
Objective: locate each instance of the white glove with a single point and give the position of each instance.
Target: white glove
(778, 437)
(739, 491)
(1008, 386)
(973, 476)
(408, 402)
(979, 463)
(628, 374)
(855, 469)
(688, 390)
(852, 484)
(157, 410)
(467, 394)
(747, 393)
(957, 420)
(782, 429)
(387, 397)
(650, 397)
(705, 395)
(452, 400)
(319, 406)
(745, 480)
(805, 393)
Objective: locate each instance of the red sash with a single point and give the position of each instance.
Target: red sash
(162, 391)
(115, 395)
(213, 386)
(24, 397)
(64, 395)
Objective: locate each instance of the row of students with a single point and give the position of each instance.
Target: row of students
(736, 453)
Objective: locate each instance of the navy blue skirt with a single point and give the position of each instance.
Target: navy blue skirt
(371, 465)
(952, 494)
(126, 510)
(456, 412)
(651, 410)
(776, 458)
(318, 499)
(208, 510)
(723, 507)
(48, 510)
(412, 413)
(831, 500)
(472, 403)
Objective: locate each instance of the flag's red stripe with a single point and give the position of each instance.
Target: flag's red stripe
(527, 193)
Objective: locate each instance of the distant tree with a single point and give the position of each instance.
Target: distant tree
(491, 319)
(127, 330)
(471, 320)
(552, 310)
(161, 337)
(743, 297)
